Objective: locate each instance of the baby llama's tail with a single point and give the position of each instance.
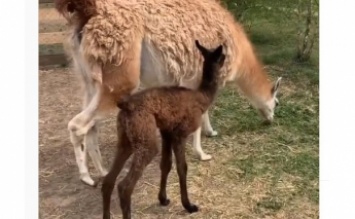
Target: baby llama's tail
(124, 104)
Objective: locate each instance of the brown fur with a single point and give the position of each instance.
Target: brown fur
(176, 112)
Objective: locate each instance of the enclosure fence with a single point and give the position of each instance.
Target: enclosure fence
(52, 27)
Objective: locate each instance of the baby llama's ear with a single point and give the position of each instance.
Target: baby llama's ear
(218, 51)
(221, 60)
(198, 44)
(202, 49)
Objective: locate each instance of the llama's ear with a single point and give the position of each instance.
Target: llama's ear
(276, 86)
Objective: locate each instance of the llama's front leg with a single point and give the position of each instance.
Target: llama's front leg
(92, 144)
(196, 143)
(207, 127)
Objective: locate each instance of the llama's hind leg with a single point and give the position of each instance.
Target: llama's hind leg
(81, 159)
(124, 150)
(165, 167)
(81, 124)
(207, 127)
(92, 144)
(141, 159)
(80, 150)
(196, 143)
(181, 166)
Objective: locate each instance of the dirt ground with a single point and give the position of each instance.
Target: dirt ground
(215, 186)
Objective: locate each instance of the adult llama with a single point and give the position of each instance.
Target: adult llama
(116, 46)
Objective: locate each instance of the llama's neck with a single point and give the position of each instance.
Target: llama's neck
(254, 84)
(252, 78)
(248, 71)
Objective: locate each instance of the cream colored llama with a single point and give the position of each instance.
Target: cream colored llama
(118, 45)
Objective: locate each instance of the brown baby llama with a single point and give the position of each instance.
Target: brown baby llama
(177, 113)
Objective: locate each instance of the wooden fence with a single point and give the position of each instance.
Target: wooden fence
(51, 35)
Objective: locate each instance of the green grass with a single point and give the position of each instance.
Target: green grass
(286, 152)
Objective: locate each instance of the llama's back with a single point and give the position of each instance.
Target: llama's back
(168, 29)
(171, 28)
(155, 100)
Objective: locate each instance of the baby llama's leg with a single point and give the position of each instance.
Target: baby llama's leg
(124, 150)
(165, 167)
(178, 146)
(141, 158)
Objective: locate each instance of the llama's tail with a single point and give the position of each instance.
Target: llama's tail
(84, 8)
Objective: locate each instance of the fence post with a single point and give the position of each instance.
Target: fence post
(52, 29)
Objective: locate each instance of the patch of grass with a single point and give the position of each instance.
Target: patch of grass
(248, 168)
(270, 203)
(304, 165)
(283, 158)
(298, 118)
(312, 192)
(232, 107)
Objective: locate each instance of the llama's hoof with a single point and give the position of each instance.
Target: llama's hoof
(191, 209)
(104, 172)
(205, 157)
(92, 184)
(86, 179)
(211, 133)
(164, 202)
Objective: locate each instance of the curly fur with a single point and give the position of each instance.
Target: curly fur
(85, 8)
(115, 25)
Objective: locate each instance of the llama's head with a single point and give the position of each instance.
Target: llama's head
(75, 11)
(213, 60)
(267, 107)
